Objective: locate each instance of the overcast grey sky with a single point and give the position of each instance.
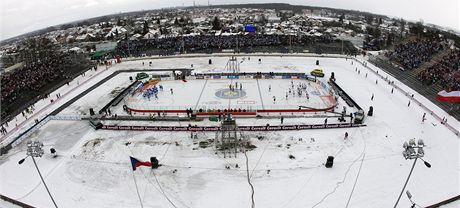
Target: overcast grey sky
(21, 16)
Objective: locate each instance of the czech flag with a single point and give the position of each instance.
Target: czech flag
(136, 163)
(450, 97)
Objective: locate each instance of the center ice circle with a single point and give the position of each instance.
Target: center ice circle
(230, 94)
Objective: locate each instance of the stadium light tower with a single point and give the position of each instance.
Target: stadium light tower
(411, 151)
(35, 149)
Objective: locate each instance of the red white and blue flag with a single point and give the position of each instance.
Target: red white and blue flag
(136, 163)
(449, 97)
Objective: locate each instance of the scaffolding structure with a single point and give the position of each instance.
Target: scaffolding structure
(233, 65)
(229, 140)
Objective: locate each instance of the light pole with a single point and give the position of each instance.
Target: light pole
(34, 149)
(411, 151)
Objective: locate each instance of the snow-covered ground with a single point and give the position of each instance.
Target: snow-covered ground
(93, 170)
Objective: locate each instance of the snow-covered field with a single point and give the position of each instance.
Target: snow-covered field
(93, 169)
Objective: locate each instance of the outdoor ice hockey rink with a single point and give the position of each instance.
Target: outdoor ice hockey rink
(250, 94)
(93, 169)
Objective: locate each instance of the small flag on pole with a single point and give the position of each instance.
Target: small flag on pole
(136, 163)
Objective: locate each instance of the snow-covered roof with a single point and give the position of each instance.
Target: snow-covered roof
(84, 36)
(151, 34)
(135, 36)
(75, 49)
(199, 20)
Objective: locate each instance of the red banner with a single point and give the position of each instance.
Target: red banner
(449, 97)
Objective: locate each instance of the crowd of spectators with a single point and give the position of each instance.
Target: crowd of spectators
(446, 72)
(31, 77)
(412, 54)
(36, 77)
(170, 45)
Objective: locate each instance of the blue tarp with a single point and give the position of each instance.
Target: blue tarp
(250, 28)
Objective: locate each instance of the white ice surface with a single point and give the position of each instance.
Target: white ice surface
(201, 94)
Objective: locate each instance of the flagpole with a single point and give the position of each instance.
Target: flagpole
(137, 190)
